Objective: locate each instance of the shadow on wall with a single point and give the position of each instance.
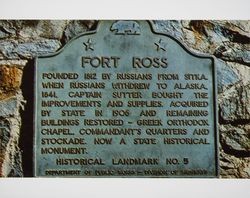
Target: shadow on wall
(27, 128)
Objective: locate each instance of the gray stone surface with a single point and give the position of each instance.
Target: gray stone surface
(10, 107)
(75, 27)
(171, 27)
(28, 30)
(234, 53)
(12, 161)
(13, 50)
(236, 139)
(234, 104)
(234, 167)
(226, 75)
(10, 123)
(49, 29)
(3, 34)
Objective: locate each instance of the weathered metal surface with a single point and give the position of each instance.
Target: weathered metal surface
(125, 101)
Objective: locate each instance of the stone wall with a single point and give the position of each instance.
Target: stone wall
(22, 40)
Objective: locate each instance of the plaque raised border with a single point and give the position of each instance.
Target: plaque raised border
(120, 29)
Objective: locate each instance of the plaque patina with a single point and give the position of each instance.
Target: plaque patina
(125, 101)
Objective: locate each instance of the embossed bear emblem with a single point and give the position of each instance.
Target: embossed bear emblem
(126, 28)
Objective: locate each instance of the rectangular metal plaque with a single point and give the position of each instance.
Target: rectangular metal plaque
(125, 101)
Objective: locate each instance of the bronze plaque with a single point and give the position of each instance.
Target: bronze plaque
(125, 101)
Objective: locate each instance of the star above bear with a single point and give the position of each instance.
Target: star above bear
(160, 45)
(89, 45)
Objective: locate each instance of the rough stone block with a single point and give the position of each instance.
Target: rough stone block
(10, 78)
(12, 49)
(226, 75)
(234, 104)
(75, 27)
(236, 139)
